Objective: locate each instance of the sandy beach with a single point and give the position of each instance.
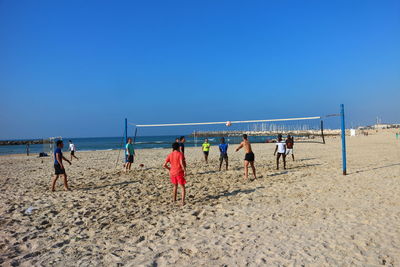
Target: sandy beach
(307, 215)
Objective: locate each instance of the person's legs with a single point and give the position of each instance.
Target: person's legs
(277, 161)
(253, 168)
(74, 156)
(71, 156)
(128, 166)
(174, 192)
(284, 161)
(246, 169)
(220, 162)
(206, 157)
(53, 182)
(226, 160)
(183, 194)
(292, 156)
(65, 182)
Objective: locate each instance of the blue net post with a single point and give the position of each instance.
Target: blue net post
(134, 137)
(126, 133)
(343, 139)
(126, 130)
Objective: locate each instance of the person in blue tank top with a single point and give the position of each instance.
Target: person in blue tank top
(59, 166)
(223, 149)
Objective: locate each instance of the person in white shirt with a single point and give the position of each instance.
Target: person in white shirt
(72, 149)
(281, 149)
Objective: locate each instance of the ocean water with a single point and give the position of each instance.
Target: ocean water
(111, 143)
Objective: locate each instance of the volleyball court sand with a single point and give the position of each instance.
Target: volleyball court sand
(307, 215)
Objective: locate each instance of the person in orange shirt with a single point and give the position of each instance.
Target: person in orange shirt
(177, 169)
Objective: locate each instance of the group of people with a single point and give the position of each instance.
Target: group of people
(175, 161)
(176, 164)
(223, 149)
(283, 148)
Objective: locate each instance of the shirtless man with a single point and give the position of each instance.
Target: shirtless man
(289, 146)
(249, 157)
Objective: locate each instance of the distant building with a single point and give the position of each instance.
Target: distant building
(379, 126)
(386, 126)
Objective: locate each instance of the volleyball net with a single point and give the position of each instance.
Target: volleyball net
(304, 129)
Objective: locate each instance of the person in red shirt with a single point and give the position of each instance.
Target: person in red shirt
(177, 169)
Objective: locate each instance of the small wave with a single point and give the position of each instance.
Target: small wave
(88, 150)
(152, 142)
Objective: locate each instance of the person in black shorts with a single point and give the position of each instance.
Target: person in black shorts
(205, 147)
(182, 141)
(130, 153)
(72, 148)
(281, 149)
(59, 167)
(248, 158)
(223, 149)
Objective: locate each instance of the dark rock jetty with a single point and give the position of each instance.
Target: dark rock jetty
(24, 142)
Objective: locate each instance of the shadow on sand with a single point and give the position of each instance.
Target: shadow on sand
(293, 168)
(108, 185)
(206, 172)
(278, 173)
(375, 168)
(234, 193)
(305, 159)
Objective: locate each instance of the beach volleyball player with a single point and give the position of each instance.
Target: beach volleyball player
(177, 169)
(72, 148)
(206, 149)
(281, 149)
(129, 154)
(59, 166)
(249, 157)
(289, 145)
(223, 149)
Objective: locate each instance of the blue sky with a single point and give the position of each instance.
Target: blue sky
(78, 68)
